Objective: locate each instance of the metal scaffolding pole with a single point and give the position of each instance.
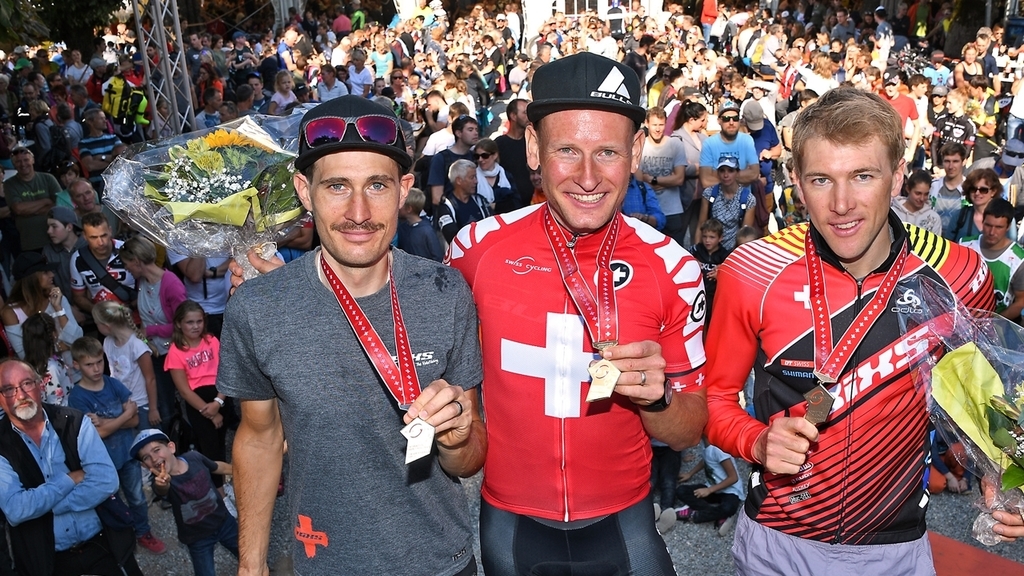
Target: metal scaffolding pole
(169, 80)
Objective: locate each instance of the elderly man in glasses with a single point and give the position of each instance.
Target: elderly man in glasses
(348, 352)
(54, 472)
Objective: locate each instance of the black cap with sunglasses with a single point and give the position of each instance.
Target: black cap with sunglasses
(350, 123)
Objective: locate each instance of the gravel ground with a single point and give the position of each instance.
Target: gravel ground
(696, 549)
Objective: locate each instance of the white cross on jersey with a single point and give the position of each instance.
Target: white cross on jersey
(803, 296)
(561, 362)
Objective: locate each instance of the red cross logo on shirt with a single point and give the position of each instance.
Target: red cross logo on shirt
(310, 538)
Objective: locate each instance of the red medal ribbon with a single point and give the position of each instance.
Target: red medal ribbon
(401, 379)
(598, 313)
(829, 361)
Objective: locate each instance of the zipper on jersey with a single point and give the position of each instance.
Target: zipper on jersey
(858, 307)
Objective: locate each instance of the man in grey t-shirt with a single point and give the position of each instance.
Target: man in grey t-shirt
(292, 355)
(663, 166)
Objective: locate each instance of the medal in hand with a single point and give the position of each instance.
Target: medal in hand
(420, 435)
(603, 376)
(819, 404)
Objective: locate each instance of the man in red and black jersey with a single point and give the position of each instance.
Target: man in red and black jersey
(815, 308)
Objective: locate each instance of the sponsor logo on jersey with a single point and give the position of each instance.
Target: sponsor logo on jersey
(908, 303)
(525, 265)
(420, 359)
(884, 364)
(796, 363)
(700, 307)
(622, 273)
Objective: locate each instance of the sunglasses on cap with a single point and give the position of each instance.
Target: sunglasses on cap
(377, 129)
(729, 118)
(482, 155)
(1012, 154)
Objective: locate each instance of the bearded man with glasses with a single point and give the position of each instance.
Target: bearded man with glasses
(732, 143)
(54, 473)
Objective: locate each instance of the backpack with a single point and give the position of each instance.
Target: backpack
(751, 195)
(59, 152)
(122, 101)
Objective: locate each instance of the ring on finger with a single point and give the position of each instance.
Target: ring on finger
(643, 378)
(459, 404)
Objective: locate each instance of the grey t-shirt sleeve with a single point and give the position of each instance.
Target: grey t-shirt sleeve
(1017, 282)
(239, 374)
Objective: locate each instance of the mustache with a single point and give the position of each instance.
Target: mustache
(360, 227)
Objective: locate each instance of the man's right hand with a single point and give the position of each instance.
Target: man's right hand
(77, 476)
(782, 448)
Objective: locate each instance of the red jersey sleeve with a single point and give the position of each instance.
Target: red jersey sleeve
(732, 350)
(682, 337)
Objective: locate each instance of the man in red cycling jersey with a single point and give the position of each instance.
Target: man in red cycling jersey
(840, 435)
(559, 286)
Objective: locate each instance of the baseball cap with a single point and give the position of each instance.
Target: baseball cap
(145, 437)
(729, 106)
(330, 126)
(891, 76)
(19, 49)
(22, 63)
(500, 17)
(586, 81)
(728, 161)
(64, 215)
(940, 90)
(30, 262)
(1013, 153)
(753, 117)
(238, 34)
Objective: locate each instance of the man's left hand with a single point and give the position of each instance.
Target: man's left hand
(447, 408)
(1010, 524)
(643, 371)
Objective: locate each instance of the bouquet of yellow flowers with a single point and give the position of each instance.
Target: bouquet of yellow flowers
(215, 192)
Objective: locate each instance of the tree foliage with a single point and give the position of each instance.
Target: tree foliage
(20, 23)
(71, 21)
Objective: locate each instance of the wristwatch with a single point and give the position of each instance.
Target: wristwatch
(654, 180)
(218, 400)
(662, 402)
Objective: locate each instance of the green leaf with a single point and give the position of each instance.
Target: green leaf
(1013, 477)
(998, 421)
(1003, 439)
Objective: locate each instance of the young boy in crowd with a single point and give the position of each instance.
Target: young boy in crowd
(199, 511)
(711, 255)
(717, 502)
(415, 235)
(107, 402)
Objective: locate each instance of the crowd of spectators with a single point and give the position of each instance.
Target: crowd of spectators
(722, 85)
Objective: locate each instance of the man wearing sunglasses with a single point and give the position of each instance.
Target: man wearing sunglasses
(729, 142)
(560, 286)
(309, 351)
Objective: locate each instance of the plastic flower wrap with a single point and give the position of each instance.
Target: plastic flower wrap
(216, 192)
(975, 392)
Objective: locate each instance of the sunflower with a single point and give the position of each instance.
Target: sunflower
(224, 138)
